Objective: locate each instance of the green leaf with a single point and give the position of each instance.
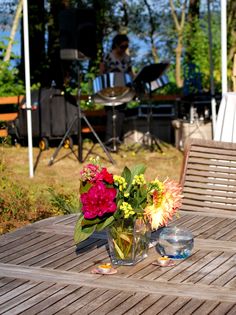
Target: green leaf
(89, 222)
(138, 169)
(127, 175)
(102, 225)
(84, 187)
(119, 251)
(80, 233)
(125, 237)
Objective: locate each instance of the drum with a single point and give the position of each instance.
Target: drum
(113, 88)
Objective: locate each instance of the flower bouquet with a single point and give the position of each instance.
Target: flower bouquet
(127, 206)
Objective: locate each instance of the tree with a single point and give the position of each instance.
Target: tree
(152, 30)
(179, 16)
(192, 20)
(170, 31)
(145, 21)
(231, 24)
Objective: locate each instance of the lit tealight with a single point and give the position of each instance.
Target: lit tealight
(105, 268)
(164, 260)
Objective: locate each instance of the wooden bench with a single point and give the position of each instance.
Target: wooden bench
(10, 115)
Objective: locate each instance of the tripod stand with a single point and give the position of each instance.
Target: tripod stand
(150, 78)
(148, 139)
(79, 117)
(114, 140)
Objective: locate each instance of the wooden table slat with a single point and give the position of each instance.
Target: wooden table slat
(190, 307)
(111, 304)
(142, 306)
(130, 303)
(33, 297)
(74, 299)
(232, 311)
(28, 252)
(54, 294)
(11, 285)
(24, 293)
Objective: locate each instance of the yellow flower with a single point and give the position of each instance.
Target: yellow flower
(139, 180)
(120, 181)
(127, 208)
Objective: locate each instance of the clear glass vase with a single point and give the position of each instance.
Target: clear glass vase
(128, 241)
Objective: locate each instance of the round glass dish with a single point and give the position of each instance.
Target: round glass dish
(175, 243)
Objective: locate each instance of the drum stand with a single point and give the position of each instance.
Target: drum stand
(114, 140)
(148, 139)
(80, 115)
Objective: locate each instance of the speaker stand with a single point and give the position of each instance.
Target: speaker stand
(114, 140)
(80, 115)
(148, 140)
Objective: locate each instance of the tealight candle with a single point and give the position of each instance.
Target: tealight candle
(163, 261)
(105, 268)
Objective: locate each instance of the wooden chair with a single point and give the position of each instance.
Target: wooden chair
(209, 177)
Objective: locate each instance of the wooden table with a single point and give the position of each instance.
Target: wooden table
(40, 273)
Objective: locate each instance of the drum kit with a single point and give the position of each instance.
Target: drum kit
(115, 88)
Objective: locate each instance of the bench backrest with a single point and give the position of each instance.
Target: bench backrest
(209, 177)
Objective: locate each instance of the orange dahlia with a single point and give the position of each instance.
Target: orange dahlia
(164, 204)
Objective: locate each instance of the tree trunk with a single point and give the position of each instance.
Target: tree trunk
(178, 51)
(194, 10)
(179, 26)
(13, 30)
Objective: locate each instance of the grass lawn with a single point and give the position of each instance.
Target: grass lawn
(54, 189)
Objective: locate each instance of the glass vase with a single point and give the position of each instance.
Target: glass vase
(128, 241)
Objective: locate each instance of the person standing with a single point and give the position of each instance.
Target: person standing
(117, 60)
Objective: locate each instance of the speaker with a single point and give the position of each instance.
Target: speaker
(78, 33)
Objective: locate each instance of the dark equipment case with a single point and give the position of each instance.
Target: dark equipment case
(52, 115)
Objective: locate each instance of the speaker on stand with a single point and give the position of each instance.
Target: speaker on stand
(78, 43)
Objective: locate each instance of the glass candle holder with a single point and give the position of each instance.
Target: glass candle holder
(175, 243)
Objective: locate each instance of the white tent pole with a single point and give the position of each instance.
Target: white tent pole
(27, 86)
(213, 101)
(224, 45)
